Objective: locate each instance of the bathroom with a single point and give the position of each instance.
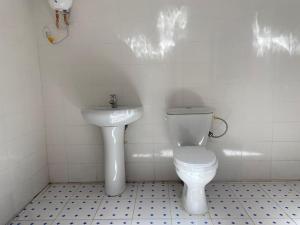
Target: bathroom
(229, 69)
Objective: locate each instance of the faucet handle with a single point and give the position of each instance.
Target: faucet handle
(113, 100)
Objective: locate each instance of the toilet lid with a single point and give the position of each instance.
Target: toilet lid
(194, 156)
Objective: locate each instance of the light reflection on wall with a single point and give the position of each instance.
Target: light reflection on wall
(141, 155)
(233, 153)
(266, 40)
(164, 153)
(170, 25)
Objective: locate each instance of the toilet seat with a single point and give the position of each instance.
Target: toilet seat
(194, 158)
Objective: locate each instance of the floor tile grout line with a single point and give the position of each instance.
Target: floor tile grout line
(244, 207)
(67, 201)
(63, 206)
(294, 220)
(101, 200)
(41, 193)
(290, 183)
(169, 201)
(135, 199)
(298, 197)
(252, 183)
(171, 214)
(282, 209)
(272, 217)
(230, 188)
(261, 185)
(241, 205)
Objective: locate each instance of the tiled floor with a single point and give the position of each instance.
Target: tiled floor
(159, 204)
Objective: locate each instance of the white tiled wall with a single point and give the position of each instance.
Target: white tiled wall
(213, 62)
(23, 157)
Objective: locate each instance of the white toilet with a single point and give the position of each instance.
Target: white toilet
(195, 165)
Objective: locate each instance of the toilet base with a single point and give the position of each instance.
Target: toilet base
(194, 199)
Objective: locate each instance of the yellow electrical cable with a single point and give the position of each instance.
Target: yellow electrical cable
(51, 39)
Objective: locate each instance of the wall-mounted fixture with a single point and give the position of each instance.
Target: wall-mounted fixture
(62, 9)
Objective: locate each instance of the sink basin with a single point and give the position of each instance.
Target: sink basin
(112, 122)
(112, 117)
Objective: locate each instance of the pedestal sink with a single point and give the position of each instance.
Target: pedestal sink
(112, 122)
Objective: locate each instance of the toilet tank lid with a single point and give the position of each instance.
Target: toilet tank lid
(189, 110)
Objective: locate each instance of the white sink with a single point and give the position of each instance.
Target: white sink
(112, 122)
(112, 117)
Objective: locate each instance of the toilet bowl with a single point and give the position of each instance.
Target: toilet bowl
(195, 165)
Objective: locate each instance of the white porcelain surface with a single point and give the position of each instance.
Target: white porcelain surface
(189, 126)
(193, 194)
(195, 165)
(114, 160)
(112, 122)
(112, 117)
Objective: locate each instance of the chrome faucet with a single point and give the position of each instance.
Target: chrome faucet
(113, 101)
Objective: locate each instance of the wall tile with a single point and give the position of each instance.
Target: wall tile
(85, 153)
(140, 171)
(82, 172)
(285, 151)
(57, 154)
(165, 171)
(139, 152)
(285, 169)
(213, 61)
(163, 153)
(23, 161)
(257, 151)
(83, 135)
(58, 173)
(286, 111)
(256, 170)
(286, 132)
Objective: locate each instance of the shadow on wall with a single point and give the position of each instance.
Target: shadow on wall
(183, 97)
(84, 85)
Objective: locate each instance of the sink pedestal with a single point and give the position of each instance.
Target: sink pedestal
(113, 138)
(112, 122)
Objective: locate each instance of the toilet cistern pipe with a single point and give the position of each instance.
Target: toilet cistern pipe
(212, 135)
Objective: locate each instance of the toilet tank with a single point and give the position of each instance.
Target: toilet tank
(189, 126)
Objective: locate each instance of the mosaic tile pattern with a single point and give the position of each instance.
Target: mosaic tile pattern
(152, 208)
(42, 210)
(263, 208)
(80, 209)
(153, 190)
(218, 190)
(116, 209)
(158, 203)
(59, 191)
(248, 190)
(226, 208)
(89, 191)
(280, 190)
